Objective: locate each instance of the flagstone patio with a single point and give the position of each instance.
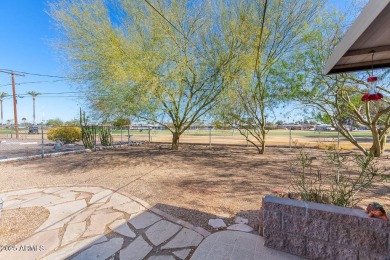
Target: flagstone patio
(97, 223)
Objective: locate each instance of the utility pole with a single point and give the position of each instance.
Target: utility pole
(14, 98)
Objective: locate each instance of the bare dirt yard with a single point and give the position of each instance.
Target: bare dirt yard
(195, 184)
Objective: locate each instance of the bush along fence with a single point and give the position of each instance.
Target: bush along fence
(321, 231)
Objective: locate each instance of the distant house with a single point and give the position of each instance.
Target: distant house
(295, 126)
(146, 127)
(324, 127)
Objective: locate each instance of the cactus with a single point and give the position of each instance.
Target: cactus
(105, 135)
(88, 132)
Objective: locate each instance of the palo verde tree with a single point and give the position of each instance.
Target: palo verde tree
(160, 61)
(268, 33)
(336, 99)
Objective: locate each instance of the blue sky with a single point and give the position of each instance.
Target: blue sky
(26, 33)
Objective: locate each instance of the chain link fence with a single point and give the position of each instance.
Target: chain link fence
(37, 140)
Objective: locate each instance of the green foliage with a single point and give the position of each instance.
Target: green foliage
(221, 125)
(121, 122)
(64, 134)
(140, 65)
(73, 122)
(336, 99)
(263, 79)
(105, 135)
(54, 122)
(337, 181)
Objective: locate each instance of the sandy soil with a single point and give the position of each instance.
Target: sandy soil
(17, 224)
(195, 184)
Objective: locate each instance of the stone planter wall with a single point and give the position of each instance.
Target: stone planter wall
(320, 231)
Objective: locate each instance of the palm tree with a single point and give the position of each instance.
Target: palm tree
(24, 121)
(2, 95)
(33, 94)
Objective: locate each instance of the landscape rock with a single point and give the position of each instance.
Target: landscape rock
(217, 223)
(240, 227)
(240, 220)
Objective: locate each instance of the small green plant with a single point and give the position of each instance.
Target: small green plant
(64, 134)
(105, 136)
(336, 181)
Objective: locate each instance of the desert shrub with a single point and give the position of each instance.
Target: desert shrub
(336, 180)
(64, 134)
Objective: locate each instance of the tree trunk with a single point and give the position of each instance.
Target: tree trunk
(378, 146)
(378, 149)
(175, 140)
(262, 151)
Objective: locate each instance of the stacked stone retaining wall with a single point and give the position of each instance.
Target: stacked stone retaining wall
(320, 231)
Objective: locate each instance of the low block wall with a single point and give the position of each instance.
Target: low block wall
(320, 231)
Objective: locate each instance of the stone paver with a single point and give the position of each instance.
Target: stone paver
(44, 241)
(235, 245)
(94, 223)
(100, 197)
(240, 227)
(44, 200)
(99, 222)
(182, 254)
(12, 204)
(53, 189)
(217, 223)
(22, 192)
(161, 257)
(138, 249)
(185, 238)
(75, 247)
(130, 207)
(84, 215)
(29, 196)
(143, 220)
(161, 231)
(115, 200)
(93, 190)
(61, 214)
(121, 227)
(73, 231)
(101, 251)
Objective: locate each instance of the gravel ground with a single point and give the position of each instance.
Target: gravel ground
(195, 184)
(17, 224)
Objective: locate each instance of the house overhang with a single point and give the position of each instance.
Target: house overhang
(369, 33)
